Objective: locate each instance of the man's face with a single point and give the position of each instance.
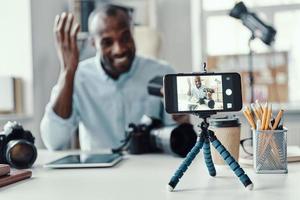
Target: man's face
(197, 82)
(115, 44)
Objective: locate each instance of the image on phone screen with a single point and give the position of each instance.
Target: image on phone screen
(198, 93)
(202, 92)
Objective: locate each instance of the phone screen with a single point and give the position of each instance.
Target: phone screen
(202, 92)
(199, 93)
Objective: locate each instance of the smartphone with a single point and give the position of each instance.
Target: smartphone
(202, 92)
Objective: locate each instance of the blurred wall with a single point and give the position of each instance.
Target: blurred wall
(173, 21)
(45, 62)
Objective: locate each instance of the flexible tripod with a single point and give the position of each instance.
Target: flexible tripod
(206, 136)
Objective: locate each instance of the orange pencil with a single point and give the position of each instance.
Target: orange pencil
(268, 117)
(264, 116)
(250, 119)
(277, 119)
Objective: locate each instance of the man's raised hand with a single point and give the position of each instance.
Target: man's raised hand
(65, 33)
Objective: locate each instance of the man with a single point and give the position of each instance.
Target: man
(199, 92)
(101, 95)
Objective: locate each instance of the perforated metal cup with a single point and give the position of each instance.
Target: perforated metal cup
(270, 151)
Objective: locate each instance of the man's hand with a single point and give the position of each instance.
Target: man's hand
(65, 33)
(181, 118)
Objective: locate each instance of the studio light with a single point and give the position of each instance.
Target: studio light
(258, 28)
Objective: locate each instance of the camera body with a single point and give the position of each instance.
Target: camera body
(17, 146)
(150, 136)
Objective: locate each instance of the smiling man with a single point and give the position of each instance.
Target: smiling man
(103, 94)
(199, 91)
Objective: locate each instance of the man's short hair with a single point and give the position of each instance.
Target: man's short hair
(197, 77)
(110, 10)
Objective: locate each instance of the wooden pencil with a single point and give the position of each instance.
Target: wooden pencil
(250, 119)
(269, 138)
(248, 110)
(268, 117)
(257, 114)
(264, 116)
(277, 119)
(259, 107)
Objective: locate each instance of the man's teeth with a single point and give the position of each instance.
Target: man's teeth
(120, 60)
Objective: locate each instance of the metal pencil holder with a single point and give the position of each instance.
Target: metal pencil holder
(270, 151)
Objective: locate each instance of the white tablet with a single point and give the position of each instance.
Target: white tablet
(86, 160)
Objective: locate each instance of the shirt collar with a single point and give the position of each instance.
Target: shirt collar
(123, 77)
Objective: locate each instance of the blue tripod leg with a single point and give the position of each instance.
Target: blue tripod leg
(207, 157)
(186, 163)
(239, 172)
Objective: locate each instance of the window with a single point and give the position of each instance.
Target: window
(220, 34)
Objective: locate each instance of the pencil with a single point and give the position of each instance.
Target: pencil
(250, 119)
(264, 135)
(259, 107)
(277, 119)
(257, 114)
(268, 117)
(264, 116)
(258, 123)
(248, 110)
(268, 138)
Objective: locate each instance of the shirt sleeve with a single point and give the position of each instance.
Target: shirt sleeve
(56, 132)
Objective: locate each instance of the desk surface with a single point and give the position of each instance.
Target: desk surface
(145, 177)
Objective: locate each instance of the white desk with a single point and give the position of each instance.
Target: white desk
(145, 177)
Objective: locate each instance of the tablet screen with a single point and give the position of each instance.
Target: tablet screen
(86, 160)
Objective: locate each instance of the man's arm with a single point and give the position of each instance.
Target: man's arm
(189, 93)
(66, 30)
(181, 118)
(60, 119)
(56, 131)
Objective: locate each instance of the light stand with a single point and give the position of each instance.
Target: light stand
(250, 68)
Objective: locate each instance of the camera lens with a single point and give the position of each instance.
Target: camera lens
(20, 154)
(177, 140)
(183, 138)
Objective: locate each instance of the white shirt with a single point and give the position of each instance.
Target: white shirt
(103, 107)
(198, 93)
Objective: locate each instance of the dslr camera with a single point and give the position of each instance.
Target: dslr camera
(150, 136)
(17, 146)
